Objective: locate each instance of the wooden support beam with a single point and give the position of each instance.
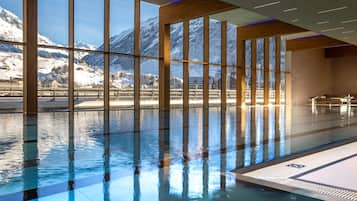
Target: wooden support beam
(223, 150)
(190, 9)
(186, 67)
(254, 73)
(71, 55)
(240, 83)
(267, 29)
(206, 45)
(345, 51)
(106, 54)
(266, 71)
(164, 67)
(277, 69)
(313, 42)
(137, 58)
(30, 33)
(223, 65)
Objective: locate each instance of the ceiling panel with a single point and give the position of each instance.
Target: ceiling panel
(240, 17)
(333, 18)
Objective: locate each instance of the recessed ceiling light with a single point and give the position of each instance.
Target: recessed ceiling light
(322, 22)
(290, 9)
(332, 10)
(332, 29)
(347, 32)
(267, 4)
(295, 20)
(349, 21)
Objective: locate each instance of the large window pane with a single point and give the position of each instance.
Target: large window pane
(248, 70)
(149, 29)
(121, 82)
(231, 44)
(272, 87)
(195, 85)
(122, 26)
(53, 22)
(260, 72)
(89, 24)
(11, 77)
(52, 79)
(282, 54)
(272, 67)
(231, 85)
(176, 36)
(283, 88)
(176, 84)
(88, 82)
(149, 92)
(215, 85)
(196, 40)
(11, 22)
(215, 42)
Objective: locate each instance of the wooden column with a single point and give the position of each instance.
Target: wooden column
(164, 67)
(223, 64)
(186, 40)
(240, 83)
(266, 71)
(71, 55)
(30, 57)
(206, 45)
(106, 53)
(277, 69)
(137, 58)
(254, 73)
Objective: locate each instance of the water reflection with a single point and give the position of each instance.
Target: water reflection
(154, 155)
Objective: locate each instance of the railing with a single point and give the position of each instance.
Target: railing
(115, 93)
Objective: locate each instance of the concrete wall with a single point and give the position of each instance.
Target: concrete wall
(311, 75)
(344, 72)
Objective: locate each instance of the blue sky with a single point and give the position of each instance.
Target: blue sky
(53, 18)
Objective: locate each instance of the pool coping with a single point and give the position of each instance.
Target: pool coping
(294, 189)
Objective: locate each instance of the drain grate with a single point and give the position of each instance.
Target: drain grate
(325, 190)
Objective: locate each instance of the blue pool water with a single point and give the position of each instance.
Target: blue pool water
(93, 155)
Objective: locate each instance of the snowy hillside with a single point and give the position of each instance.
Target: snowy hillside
(89, 67)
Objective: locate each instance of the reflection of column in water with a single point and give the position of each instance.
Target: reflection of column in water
(266, 133)
(240, 136)
(71, 151)
(185, 154)
(223, 149)
(164, 164)
(205, 155)
(30, 157)
(137, 159)
(205, 131)
(283, 127)
(106, 154)
(185, 136)
(277, 132)
(137, 122)
(253, 134)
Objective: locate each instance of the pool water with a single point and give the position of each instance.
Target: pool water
(181, 155)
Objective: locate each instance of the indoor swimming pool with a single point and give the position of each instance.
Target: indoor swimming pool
(151, 156)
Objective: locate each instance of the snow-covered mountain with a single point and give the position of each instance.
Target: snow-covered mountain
(89, 67)
(124, 41)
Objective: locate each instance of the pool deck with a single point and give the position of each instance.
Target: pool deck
(327, 175)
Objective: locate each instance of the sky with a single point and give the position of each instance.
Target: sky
(89, 18)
